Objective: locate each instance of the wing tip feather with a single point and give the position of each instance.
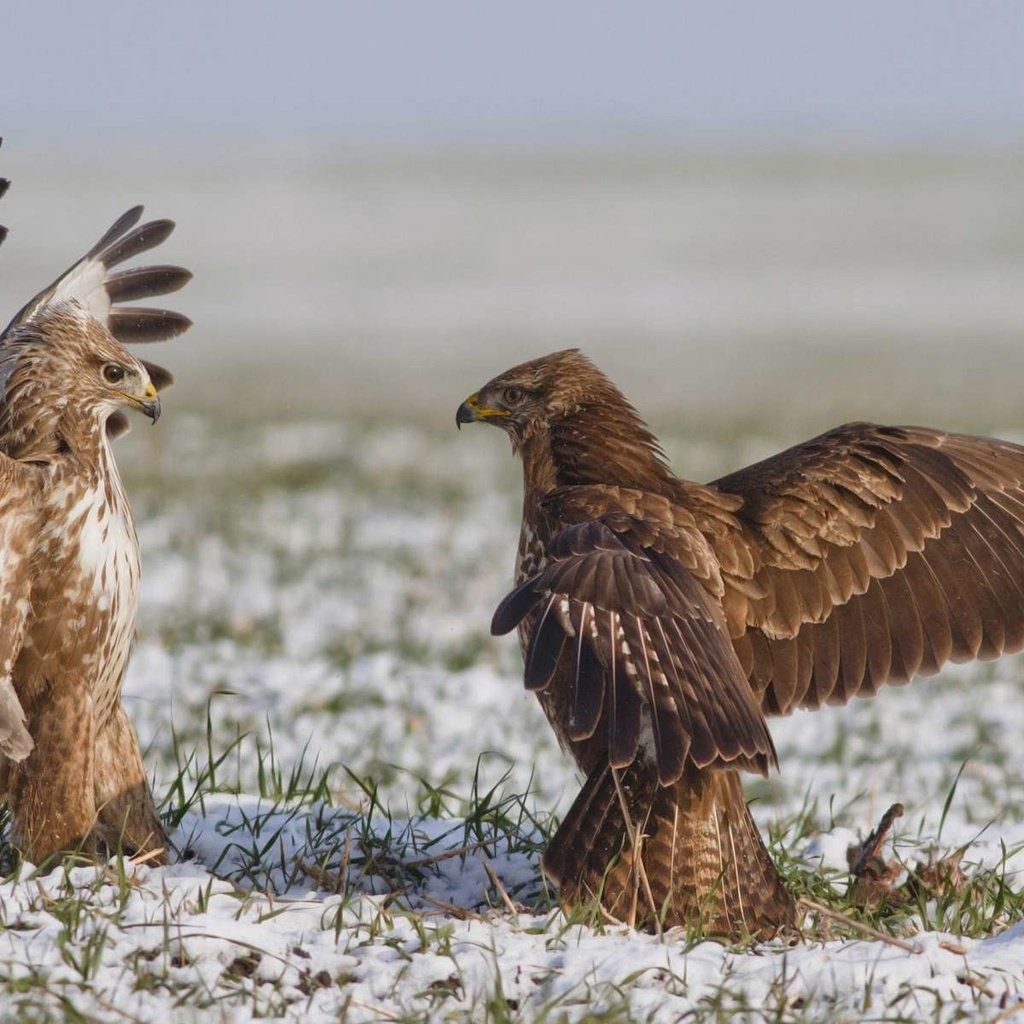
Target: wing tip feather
(139, 324)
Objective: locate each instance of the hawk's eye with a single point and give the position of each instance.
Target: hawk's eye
(512, 396)
(112, 373)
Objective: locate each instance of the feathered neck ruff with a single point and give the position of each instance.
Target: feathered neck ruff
(41, 414)
(596, 437)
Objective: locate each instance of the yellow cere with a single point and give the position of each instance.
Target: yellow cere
(474, 403)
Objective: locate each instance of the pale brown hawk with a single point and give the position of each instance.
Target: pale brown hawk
(69, 554)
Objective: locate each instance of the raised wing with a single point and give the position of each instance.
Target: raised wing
(91, 283)
(18, 529)
(872, 554)
(629, 625)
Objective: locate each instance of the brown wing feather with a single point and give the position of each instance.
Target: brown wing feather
(875, 553)
(647, 640)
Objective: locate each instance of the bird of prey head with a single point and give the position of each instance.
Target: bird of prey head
(540, 390)
(572, 418)
(64, 370)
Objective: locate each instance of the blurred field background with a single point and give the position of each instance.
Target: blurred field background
(767, 217)
(778, 291)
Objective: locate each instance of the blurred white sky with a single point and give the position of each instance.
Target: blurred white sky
(874, 72)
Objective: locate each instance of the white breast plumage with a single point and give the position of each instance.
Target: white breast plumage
(100, 551)
(107, 545)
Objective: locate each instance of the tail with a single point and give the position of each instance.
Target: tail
(702, 862)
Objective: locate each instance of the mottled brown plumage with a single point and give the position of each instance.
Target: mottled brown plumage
(662, 620)
(69, 558)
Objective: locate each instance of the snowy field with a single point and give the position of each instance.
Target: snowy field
(361, 788)
(358, 787)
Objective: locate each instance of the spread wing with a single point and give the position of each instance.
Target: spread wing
(628, 600)
(869, 555)
(95, 285)
(91, 282)
(18, 529)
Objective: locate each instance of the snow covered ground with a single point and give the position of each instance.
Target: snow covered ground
(359, 788)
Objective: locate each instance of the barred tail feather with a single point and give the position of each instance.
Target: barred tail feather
(703, 863)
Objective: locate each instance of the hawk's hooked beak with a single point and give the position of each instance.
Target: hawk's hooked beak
(151, 405)
(148, 404)
(467, 412)
(152, 409)
(471, 411)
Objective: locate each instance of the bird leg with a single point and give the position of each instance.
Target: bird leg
(128, 819)
(51, 792)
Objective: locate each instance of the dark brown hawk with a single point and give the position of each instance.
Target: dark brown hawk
(69, 555)
(662, 620)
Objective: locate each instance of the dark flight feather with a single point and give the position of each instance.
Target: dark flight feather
(620, 597)
(90, 283)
